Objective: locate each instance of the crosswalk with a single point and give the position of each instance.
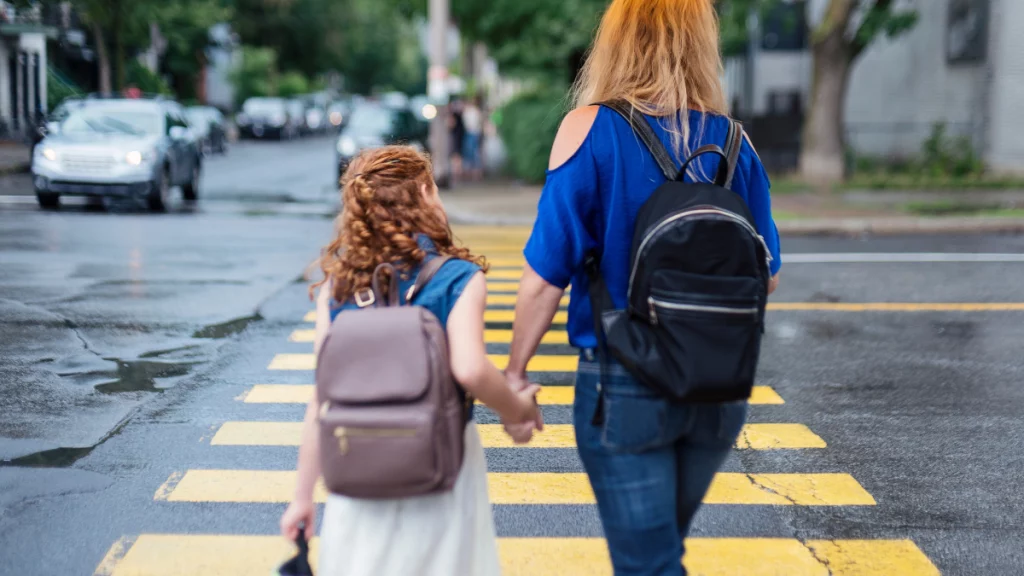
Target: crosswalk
(260, 551)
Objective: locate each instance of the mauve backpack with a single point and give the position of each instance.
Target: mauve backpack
(391, 418)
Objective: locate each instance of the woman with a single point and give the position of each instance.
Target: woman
(392, 213)
(650, 460)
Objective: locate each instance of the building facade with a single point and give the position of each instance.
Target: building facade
(961, 65)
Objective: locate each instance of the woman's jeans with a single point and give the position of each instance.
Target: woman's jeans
(650, 462)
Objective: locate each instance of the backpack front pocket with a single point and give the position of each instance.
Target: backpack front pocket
(712, 342)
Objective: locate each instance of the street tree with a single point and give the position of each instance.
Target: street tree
(847, 29)
(844, 32)
(185, 24)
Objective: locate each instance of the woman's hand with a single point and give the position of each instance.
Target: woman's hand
(526, 410)
(299, 512)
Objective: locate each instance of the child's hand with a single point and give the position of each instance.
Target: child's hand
(298, 512)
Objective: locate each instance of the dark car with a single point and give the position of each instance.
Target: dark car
(268, 118)
(210, 128)
(372, 125)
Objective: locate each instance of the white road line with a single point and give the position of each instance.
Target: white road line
(868, 257)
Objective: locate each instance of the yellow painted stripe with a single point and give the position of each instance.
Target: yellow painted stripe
(549, 395)
(505, 337)
(541, 363)
(561, 318)
(233, 555)
(752, 437)
(270, 486)
(506, 316)
(537, 363)
(765, 395)
(773, 436)
(510, 299)
(899, 306)
(505, 274)
(302, 336)
(509, 315)
(507, 262)
(499, 286)
(293, 362)
(490, 336)
(503, 316)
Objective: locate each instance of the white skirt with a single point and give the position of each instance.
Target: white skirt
(449, 534)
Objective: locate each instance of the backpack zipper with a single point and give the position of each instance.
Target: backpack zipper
(653, 303)
(343, 433)
(670, 219)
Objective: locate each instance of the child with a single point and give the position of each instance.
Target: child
(392, 213)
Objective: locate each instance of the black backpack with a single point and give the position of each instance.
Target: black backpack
(698, 283)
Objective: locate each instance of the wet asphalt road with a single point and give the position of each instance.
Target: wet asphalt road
(127, 339)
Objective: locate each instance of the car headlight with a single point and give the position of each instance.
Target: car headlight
(49, 153)
(429, 111)
(136, 157)
(347, 146)
(336, 118)
(277, 120)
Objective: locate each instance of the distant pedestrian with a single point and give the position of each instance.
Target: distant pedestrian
(393, 215)
(650, 455)
(473, 122)
(457, 131)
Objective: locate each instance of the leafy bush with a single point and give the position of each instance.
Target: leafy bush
(945, 156)
(256, 74)
(58, 89)
(146, 80)
(528, 126)
(292, 84)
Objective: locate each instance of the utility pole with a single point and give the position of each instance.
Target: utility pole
(438, 89)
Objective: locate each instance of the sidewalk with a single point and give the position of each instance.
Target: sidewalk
(15, 157)
(852, 213)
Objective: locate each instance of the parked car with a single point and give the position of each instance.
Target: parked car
(210, 127)
(315, 118)
(128, 148)
(372, 125)
(269, 118)
(337, 114)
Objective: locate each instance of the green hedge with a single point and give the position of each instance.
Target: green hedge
(528, 126)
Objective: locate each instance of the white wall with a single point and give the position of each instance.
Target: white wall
(900, 88)
(781, 72)
(36, 43)
(1005, 151)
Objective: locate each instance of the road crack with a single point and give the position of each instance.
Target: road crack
(769, 489)
(818, 557)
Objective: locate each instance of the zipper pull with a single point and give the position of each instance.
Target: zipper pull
(651, 311)
(342, 435)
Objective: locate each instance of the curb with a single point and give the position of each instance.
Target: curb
(15, 169)
(894, 226)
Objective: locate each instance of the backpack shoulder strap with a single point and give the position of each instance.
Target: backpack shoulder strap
(426, 273)
(642, 129)
(733, 144)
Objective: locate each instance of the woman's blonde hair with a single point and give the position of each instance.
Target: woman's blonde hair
(662, 56)
(383, 211)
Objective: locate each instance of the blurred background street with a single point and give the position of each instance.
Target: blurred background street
(169, 172)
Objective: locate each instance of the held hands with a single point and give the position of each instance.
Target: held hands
(522, 431)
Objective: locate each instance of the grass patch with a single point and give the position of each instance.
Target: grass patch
(958, 208)
(889, 181)
(784, 215)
